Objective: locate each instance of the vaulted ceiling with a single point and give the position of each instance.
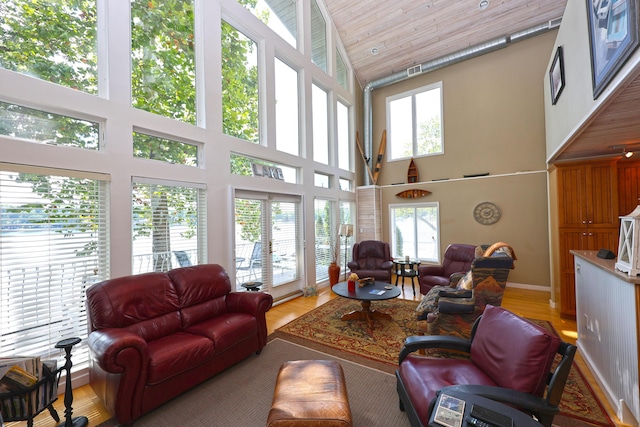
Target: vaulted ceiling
(382, 37)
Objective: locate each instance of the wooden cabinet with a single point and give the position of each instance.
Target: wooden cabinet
(587, 218)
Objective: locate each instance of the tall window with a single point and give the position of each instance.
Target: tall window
(341, 71)
(318, 37)
(163, 59)
(280, 16)
(320, 125)
(415, 231)
(54, 244)
(33, 48)
(240, 112)
(344, 147)
(414, 121)
(287, 112)
(347, 216)
(326, 236)
(168, 226)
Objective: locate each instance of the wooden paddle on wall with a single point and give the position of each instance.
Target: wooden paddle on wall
(383, 146)
(364, 158)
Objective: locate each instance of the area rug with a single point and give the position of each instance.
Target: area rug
(323, 330)
(241, 395)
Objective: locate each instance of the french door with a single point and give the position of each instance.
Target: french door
(268, 243)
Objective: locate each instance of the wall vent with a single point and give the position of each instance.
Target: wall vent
(554, 23)
(414, 70)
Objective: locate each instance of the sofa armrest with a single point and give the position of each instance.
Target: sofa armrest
(353, 265)
(386, 265)
(116, 350)
(254, 303)
(446, 342)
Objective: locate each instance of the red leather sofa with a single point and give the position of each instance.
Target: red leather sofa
(155, 335)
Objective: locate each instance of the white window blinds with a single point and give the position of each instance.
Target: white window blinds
(53, 245)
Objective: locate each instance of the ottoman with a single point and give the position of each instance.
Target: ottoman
(310, 393)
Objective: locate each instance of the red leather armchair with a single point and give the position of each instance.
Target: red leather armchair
(457, 259)
(156, 335)
(510, 361)
(372, 258)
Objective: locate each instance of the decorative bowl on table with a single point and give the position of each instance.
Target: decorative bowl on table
(365, 281)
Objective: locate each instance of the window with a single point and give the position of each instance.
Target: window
(320, 125)
(163, 59)
(321, 180)
(31, 48)
(280, 16)
(347, 216)
(240, 111)
(415, 231)
(155, 148)
(168, 226)
(47, 128)
(415, 123)
(326, 237)
(287, 116)
(344, 148)
(54, 244)
(318, 37)
(345, 185)
(341, 71)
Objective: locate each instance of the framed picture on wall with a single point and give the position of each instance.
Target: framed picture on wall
(613, 36)
(556, 76)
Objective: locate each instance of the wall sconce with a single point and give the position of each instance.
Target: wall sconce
(346, 231)
(626, 153)
(623, 148)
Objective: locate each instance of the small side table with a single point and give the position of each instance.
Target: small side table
(407, 268)
(252, 286)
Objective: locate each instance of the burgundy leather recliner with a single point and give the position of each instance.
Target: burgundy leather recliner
(457, 259)
(372, 258)
(155, 335)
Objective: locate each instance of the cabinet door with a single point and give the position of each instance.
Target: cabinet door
(601, 195)
(570, 239)
(572, 202)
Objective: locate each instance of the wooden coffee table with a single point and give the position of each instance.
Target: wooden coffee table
(365, 297)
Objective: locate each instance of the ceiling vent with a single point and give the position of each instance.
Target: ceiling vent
(414, 70)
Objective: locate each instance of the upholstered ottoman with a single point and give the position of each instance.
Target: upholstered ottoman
(310, 393)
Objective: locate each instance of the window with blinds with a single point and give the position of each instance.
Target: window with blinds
(54, 244)
(326, 238)
(168, 225)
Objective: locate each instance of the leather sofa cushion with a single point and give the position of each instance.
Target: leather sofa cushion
(199, 284)
(176, 353)
(226, 330)
(423, 378)
(515, 352)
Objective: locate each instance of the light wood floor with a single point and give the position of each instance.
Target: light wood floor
(527, 303)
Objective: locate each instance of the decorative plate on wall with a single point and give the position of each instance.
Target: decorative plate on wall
(486, 213)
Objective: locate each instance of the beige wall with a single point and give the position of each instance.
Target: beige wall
(493, 122)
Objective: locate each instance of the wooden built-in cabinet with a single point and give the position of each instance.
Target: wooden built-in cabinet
(587, 218)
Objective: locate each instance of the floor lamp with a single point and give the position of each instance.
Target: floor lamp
(346, 231)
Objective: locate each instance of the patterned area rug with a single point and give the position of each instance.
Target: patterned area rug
(323, 330)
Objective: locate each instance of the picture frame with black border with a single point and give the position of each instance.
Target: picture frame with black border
(556, 76)
(613, 36)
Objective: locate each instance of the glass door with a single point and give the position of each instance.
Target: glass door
(268, 245)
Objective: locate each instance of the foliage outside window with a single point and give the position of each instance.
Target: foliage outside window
(415, 123)
(287, 110)
(47, 128)
(318, 37)
(163, 58)
(415, 231)
(155, 148)
(168, 226)
(240, 113)
(52, 40)
(320, 125)
(54, 244)
(280, 16)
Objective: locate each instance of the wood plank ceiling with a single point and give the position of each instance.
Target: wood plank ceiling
(405, 33)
